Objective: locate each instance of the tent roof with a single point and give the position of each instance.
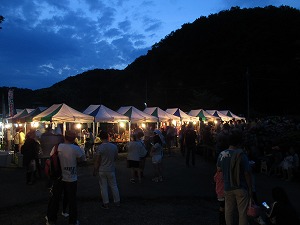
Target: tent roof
(229, 113)
(161, 114)
(202, 113)
(219, 114)
(183, 116)
(20, 114)
(104, 114)
(135, 115)
(29, 116)
(63, 113)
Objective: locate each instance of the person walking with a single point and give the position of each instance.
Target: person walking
(234, 164)
(190, 137)
(104, 166)
(69, 154)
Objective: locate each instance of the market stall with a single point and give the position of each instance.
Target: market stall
(103, 114)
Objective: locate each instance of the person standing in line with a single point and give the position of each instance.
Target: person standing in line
(190, 137)
(234, 164)
(21, 138)
(169, 139)
(89, 144)
(222, 139)
(181, 139)
(106, 155)
(48, 140)
(139, 137)
(17, 140)
(69, 154)
(30, 150)
(157, 154)
(136, 150)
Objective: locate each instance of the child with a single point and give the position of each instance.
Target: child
(218, 178)
(157, 154)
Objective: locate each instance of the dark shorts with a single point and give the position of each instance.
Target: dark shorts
(133, 164)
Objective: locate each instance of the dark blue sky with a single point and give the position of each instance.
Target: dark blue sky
(44, 42)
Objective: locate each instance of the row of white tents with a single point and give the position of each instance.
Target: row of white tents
(99, 113)
(95, 114)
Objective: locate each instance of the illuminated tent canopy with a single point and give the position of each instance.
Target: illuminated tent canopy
(62, 113)
(162, 115)
(24, 112)
(182, 115)
(103, 114)
(137, 116)
(220, 115)
(229, 113)
(201, 113)
(29, 116)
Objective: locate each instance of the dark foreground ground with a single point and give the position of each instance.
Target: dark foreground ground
(186, 196)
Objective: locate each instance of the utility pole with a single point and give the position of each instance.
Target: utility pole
(146, 99)
(248, 93)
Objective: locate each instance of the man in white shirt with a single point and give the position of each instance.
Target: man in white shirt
(106, 155)
(68, 154)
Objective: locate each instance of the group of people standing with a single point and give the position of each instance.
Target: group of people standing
(35, 153)
(235, 187)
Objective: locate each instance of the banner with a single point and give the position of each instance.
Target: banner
(11, 102)
(3, 108)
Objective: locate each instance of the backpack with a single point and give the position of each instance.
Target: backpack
(52, 166)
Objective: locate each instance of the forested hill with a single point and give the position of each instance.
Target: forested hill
(216, 62)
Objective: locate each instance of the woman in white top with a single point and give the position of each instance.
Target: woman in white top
(157, 154)
(136, 150)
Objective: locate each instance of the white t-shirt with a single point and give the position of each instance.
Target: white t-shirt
(68, 155)
(109, 154)
(135, 150)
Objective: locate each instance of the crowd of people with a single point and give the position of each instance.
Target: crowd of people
(237, 148)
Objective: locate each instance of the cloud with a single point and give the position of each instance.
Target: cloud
(54, 39)
(124, 25)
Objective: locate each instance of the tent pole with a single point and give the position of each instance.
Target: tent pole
(129, 130)
(64, 128)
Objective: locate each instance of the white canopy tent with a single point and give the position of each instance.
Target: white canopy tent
(229, 113)
(182, 115)
(62, 113)
(162, 115)
(136, 116)
(219, 114)
(20, 114)
(103, 114)
(201, 113)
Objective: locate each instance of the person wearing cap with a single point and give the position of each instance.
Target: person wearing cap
(69, 154)
(104, 166)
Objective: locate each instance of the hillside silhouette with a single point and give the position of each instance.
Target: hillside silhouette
(229, 60)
